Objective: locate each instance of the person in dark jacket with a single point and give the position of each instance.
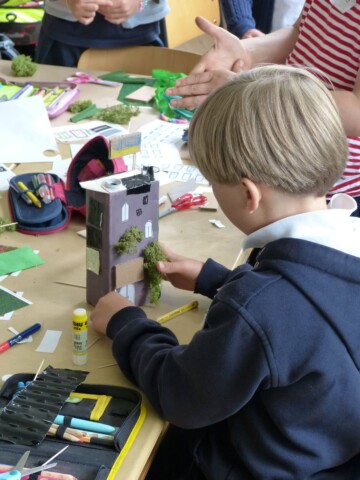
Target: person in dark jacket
(269, 388)
(253, 18)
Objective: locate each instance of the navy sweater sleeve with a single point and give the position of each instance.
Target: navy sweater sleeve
(179, 380)
(238, 16)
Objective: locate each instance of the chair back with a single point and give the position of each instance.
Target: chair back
(137, 60)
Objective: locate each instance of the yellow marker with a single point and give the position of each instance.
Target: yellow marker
(32, 197)
(178, 311)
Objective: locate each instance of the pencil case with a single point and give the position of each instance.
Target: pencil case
(60, 394)
(58, 96)
(91, 162)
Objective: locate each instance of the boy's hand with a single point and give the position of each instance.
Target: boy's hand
(120, 10)
(105, 308)
(85, 10)
(196, 87)
(181, 271)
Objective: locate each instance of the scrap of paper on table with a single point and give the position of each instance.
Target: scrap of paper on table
(184, 173)
(29, 117)
(50, 341)
(5, 175)
(10, 301)
(86, 131)
(19, 259)
(159, 131)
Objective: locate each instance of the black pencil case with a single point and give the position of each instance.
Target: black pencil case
(91, 162)
(117, 407)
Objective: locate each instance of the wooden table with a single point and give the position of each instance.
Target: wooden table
(58, 287)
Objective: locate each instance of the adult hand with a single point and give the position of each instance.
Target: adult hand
(105, 308)
(253, 33)
(85, 10)
(196, 87)
(120, 10)
(182, 272)
(226, 50)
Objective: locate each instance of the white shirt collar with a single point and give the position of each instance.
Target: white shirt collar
(332, 228)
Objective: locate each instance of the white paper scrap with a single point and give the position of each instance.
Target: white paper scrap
(50, 341)
(27, 120)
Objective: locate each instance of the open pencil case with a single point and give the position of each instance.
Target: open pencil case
(91, 162)
(58, 96)
(28, 415)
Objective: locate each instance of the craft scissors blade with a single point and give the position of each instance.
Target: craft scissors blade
(19, 471)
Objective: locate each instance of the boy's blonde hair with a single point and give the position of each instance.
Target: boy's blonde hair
(276, 125)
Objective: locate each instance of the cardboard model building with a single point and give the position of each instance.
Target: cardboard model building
(114, 205)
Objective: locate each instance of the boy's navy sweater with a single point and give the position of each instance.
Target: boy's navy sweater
(270, 387)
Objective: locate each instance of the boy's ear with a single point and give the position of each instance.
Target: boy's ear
(252, 193)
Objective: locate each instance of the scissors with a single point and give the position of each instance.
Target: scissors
(82, 77)
(19, 471)
(184, 202)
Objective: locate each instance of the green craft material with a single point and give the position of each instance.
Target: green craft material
(89, 112)
(120, 114)
(9, 302)
(79, 106)
(165, 80)
(153, 254)
(23, 66)
(19, 259)
(128, 242)
(122, 77)
(130, 83)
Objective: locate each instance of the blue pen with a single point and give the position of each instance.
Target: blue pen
(81, 424)
(19, 337)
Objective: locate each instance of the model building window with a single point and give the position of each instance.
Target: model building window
(148, 229)
(125, 212)
(138, 212)
(146, 200)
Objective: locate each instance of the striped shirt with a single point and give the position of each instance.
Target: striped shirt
(330, 41)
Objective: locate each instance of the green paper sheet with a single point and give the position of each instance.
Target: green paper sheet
(19, 259)
(10, 302)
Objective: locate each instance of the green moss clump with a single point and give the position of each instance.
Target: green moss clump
(120, 114)
(8, 228)
(152, 255)
(79, 105)
(23, 66)
(127, 242)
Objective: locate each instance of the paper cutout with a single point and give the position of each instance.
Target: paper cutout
(121, 145)
(142, 94)
(10, 301)
(129, 272)
(49, 342)
(19, 259)
(93, 260)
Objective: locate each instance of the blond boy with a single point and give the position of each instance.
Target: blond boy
(270, 387)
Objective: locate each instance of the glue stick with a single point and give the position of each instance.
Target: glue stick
(80, 336)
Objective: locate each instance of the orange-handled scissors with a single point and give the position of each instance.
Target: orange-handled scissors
(184, 202)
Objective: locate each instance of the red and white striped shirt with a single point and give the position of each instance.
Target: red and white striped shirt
(329, 40)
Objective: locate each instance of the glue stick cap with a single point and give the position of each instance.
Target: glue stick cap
(80, 314)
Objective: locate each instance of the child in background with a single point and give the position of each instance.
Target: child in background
(71, 26)
(326, 37)
(270, 387)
